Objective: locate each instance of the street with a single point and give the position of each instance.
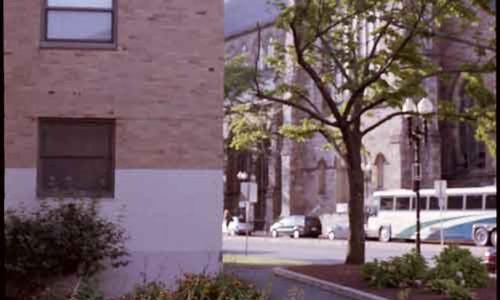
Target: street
(284, 250)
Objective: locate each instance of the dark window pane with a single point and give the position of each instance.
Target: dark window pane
(76, 174)
(423, 201)
(81, 3)
(433, 203)
(403, 203)
(473, 202)
(77, 139)
(79, 25)
(386, 203)
(76, 155)
(455, 202)
(491, 202)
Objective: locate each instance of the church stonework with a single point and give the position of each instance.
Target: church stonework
(304, 178)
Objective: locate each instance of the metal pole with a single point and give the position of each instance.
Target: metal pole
(417, 190)
(441, 202)
(247, 208)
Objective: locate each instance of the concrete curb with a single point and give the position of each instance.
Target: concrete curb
(329, 286)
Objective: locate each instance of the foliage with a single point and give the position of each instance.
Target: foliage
(398, 272)
(450, 288)
(149, 291)
(461, 266)
(88, 290)
(58, 239)
(352, 79)
(197, 287)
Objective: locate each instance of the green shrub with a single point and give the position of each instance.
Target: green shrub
(60, 239)
(450, 288)
(197, 287)
(201, 287)
(398, 272)
(460, 266)
(149, 291)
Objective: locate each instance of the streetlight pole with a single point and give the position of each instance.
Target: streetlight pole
(415, 135)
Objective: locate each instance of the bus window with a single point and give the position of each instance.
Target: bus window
(473, 202)
(455, 202)
(402, 203)
(433, 203)
(491, 202)
(386, 203)
(423, 201)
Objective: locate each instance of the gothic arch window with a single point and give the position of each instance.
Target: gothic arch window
(472, 153)
(379, 163)
(322, 177)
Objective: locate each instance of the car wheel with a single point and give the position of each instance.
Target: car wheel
(493, 238)
(274, 234)
(331, 235)
(296, 234)
(384, 234)
(481, 237)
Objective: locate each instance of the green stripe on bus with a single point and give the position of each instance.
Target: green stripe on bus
(409, 231)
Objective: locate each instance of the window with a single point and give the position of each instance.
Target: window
(386, 203)
(433, 203)
(455, 202)
(322, 177)
(423, 203)
(379, 170)
(474, 202)
(402, 203)
(79, 23)
(491, 202)
(76, 156)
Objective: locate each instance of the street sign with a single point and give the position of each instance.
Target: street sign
(440, 187)
(249, 191)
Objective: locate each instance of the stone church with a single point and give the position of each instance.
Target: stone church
(304, 178)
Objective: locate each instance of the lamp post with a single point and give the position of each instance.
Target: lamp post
(415, 135)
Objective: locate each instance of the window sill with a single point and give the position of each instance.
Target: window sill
(78, 45)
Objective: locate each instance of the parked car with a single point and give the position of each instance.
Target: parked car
(296, 226)
(239, 226)
(490, 259)
(338, 231)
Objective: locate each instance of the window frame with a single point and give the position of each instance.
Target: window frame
(42, 193)
(76, 43)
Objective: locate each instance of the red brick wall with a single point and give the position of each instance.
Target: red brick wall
(163, 84)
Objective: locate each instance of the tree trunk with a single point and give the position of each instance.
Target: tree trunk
(356, 245)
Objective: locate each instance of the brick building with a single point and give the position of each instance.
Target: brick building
(304, 178)
(123, 97)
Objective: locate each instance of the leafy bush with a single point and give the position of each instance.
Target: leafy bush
(460, 266)
(404, 271)
(450, 288)
(149, 291)
(197, 287)
(59, 239)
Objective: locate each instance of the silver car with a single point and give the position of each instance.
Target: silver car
(239, 226)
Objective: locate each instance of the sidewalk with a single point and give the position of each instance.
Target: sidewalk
(280, 287)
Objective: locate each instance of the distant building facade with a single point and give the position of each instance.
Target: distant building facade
(312, 180)
(122, 99)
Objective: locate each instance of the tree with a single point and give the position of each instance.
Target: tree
(392, 66)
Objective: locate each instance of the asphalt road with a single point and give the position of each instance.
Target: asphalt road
(319, 251)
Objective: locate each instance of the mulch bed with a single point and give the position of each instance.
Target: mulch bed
(350, 275)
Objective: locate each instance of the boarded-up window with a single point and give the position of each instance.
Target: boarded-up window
(76, 156)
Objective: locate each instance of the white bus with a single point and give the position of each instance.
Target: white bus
(393, 214)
